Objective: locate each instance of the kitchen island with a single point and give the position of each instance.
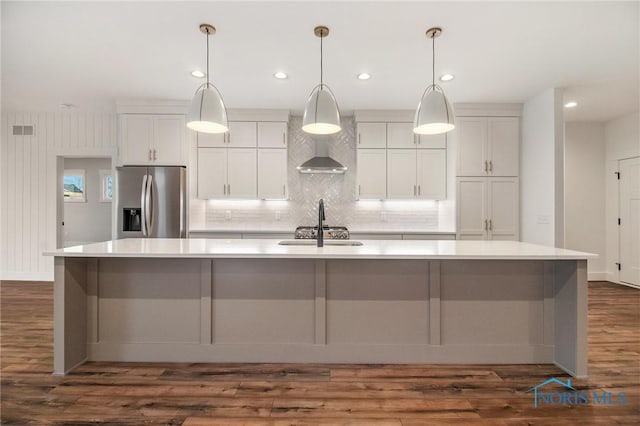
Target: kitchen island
(201, 300)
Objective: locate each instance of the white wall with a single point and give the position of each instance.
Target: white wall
(29, 183)
(584, 195)
(622, 140)
(541, 170)
(90, 221)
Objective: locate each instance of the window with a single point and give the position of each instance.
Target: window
(106, 186)
(74, 186)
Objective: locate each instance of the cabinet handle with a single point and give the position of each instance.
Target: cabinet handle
(149, 155)
(415, 139)
(414, 190)
(418, 190)
(284, 189)
(359, 190)
(224, 189)
(229, 189)
(486, 165)
(284, 138)
(359, 141)
(155, 155)
(490, 225)
(490, 165)
(486, 226)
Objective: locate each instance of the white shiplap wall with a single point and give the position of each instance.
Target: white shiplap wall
(28, 182)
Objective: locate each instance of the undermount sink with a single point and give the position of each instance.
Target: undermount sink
(326, 243)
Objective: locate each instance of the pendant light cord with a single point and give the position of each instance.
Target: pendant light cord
(207, 58)
(321, 72)
(433, 60)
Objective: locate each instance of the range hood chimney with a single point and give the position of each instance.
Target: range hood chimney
(321, 162)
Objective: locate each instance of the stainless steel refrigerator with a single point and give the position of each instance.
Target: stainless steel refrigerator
(151, 202)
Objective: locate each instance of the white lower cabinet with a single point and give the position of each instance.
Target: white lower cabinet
(487, 208)
(227, 173)
(372, 174)
(272, 174)
(418, 173)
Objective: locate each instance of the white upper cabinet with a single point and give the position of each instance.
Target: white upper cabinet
(471, 135)
(431, 174)
(272, 174)
(147, 139)
(211, 140)
(372, 174)
(242, 134)
(212, 173)
(242, 177)
(488, 146)
(400, 135)
(371, 135)
(401, 174)
(504, 153)
(272, 135)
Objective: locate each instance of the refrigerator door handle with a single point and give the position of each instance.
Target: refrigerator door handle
(143, 196)
(149, 205)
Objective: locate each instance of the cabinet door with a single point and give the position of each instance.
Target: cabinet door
(272, 135)
(372, 174)
(169, 136)
(212, 173)
(372, 135)
(272, 174)
(211, 140)
(242, 176)
(401, 173)
(242, 134)
(472, 208)
(432, 174)
(504, 146)
(400, 135)
(432, 141)
(471, 135)
(136, 140)
(503, 201)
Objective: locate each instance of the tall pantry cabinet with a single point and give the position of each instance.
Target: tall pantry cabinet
(487, 178)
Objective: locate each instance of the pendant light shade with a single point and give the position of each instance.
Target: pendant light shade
(321, 114)
(434, 114)
(207, 113)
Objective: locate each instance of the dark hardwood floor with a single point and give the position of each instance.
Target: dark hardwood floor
(284, 394)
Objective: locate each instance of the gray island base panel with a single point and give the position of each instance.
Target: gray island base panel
(152, 309)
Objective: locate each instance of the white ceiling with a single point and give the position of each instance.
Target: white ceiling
(90, 54)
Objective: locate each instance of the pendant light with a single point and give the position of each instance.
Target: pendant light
(321, 115)
(207, 113)
(434, 114)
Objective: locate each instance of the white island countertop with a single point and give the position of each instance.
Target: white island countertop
(370, 249)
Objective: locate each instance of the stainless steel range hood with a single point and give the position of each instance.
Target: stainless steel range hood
(321, 162)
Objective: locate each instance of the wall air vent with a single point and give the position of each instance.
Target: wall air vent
(23, 131)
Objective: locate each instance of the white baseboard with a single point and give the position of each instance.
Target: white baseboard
(597, 276)
(26, 276)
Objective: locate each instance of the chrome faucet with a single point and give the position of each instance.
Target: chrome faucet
(321, 218)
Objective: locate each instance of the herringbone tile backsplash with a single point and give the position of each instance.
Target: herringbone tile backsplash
(337, 190)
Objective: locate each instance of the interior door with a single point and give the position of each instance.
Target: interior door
(630, 221)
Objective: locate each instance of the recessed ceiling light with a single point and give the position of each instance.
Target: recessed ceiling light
(364, 76)
(447, 77)
(280, 75)
(571, 104)
(198, 74)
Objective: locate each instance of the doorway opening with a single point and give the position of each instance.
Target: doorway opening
(84, 200)
(629, 220)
